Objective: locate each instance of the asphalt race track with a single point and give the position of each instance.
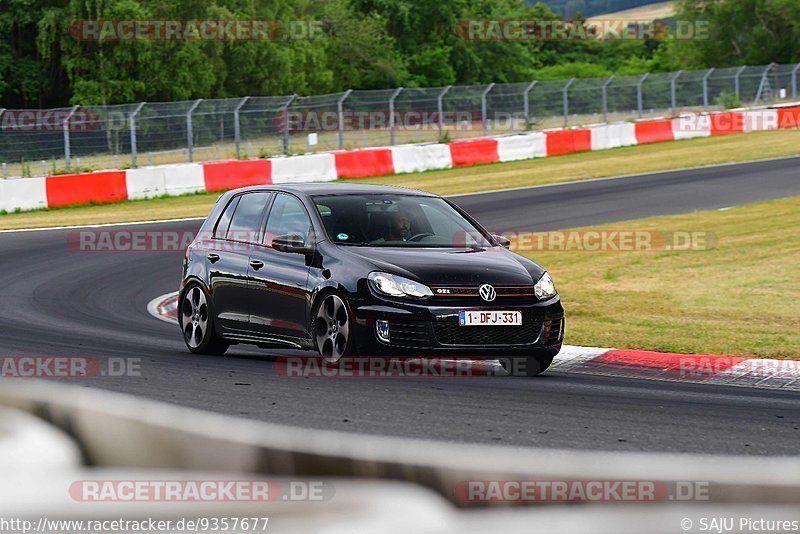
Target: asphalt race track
(57, 301)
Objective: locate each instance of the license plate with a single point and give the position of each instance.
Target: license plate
(489, 318)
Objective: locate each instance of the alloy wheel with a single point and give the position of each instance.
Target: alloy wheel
(194, 314)
(332, 329)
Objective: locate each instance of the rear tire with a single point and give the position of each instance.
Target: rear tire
(196, 317)
(532, 365)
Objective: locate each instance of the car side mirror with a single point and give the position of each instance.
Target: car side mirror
(292, 243)
(502, 240)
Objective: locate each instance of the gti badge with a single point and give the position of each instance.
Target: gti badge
(487, 292)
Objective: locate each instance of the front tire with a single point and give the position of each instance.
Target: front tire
(333, 329)
(197, 323)
(532, 365)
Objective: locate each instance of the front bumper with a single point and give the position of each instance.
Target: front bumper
(432, 329)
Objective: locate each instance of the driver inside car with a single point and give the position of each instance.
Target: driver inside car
(398, 228)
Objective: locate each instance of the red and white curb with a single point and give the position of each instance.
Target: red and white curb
(697, 368)
(165, 307)
(639, 364)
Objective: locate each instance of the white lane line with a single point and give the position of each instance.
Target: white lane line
(106, 225)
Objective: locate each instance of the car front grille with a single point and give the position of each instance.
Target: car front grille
(456, 335)
(471, 292)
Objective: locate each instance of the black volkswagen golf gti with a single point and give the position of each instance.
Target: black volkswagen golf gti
(363, 270)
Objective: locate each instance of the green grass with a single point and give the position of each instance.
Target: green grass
(739, 298)
(629, 160)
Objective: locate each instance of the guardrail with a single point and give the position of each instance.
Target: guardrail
(118, 430)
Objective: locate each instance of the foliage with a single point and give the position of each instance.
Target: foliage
(363, 44)
(729, 100)
(740, 32)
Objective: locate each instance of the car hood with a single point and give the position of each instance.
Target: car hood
(442, 267)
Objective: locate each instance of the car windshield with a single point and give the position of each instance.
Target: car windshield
(393, 220)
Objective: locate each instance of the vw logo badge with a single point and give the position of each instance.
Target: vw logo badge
(487, 292)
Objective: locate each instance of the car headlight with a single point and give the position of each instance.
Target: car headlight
(545, 288)
(397, 286)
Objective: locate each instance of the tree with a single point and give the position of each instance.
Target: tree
(740, 32)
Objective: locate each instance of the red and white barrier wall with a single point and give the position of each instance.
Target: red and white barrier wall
(148, 182)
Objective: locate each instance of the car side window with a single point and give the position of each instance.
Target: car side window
(287, 216)
(221, 228)
(246, 221)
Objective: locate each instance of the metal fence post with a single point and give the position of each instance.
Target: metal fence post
(132, 121)
(794, 80)
(672, 92)
(705, 87)
(285, 110)
(763, 82)
(736, 80)
(526, 106)
(483, 105)
(565, 96)
(237, 133)
(440, 108)
(639, 96)
(67, 154)
(189, 133)
(4, 173)
(340, 110)
(605, 97)
(391, 114)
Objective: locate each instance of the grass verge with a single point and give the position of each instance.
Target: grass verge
(739, 298)
(586, 165)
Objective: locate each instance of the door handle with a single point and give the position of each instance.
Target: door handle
(213, 258)
(256, 265)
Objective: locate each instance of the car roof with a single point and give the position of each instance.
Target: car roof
(334, 188)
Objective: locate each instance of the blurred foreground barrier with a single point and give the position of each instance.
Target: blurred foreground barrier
(117, 430)
(72, 454)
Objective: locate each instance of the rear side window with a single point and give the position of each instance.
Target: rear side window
(288, 216)
(221, 229)
(246, 221)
